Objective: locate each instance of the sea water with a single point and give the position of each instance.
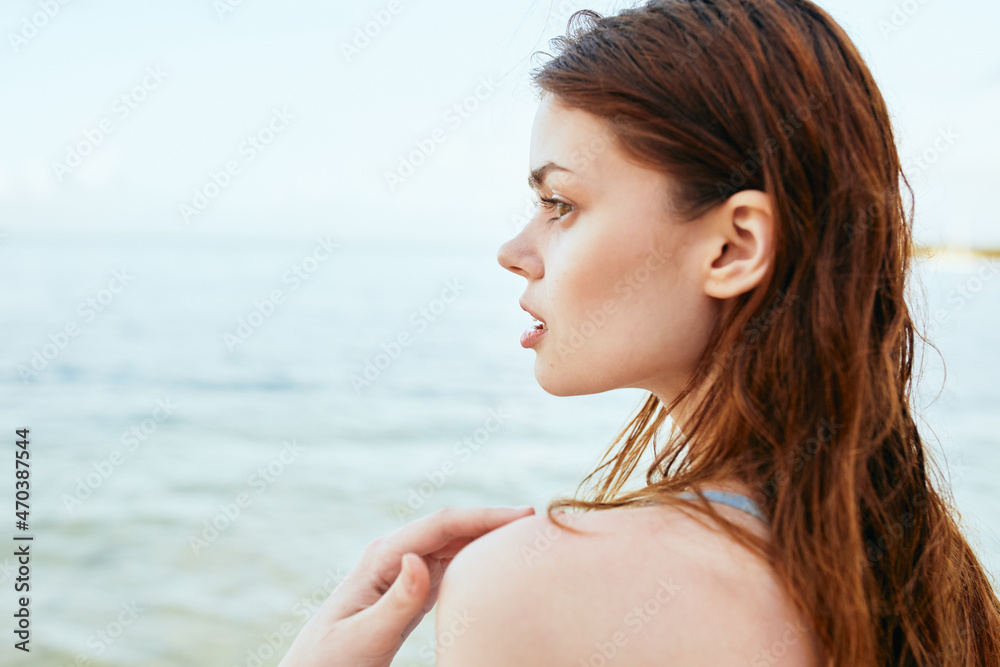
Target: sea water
(220, 425)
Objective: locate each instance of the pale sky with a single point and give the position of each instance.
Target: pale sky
(337, 122)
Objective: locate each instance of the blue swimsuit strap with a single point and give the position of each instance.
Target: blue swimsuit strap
(737, 500)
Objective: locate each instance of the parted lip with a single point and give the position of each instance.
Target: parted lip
(530, 311)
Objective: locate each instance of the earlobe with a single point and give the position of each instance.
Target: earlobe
(742, 248)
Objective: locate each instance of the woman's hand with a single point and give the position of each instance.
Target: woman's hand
(379, 603)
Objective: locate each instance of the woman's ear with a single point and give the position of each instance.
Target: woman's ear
(740, 243)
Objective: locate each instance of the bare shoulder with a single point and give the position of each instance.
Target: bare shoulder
(639, 585)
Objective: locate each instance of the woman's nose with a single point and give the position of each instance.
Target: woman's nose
(518, 257)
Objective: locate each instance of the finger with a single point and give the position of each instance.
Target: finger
(449, 529)
(385, 624)
(437, 530)
(451, 549)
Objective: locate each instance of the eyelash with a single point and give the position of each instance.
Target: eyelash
(548, 203)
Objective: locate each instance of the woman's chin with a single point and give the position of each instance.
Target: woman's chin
(560, 383)
(549, 379)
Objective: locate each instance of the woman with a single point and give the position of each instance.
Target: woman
(721, 225)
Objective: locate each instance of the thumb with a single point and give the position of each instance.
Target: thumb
(393, 614)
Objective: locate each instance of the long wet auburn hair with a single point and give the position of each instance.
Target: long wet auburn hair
(811, 372)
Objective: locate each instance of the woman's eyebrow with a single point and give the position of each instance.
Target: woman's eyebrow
(536, 179)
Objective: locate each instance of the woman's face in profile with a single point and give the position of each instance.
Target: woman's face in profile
(617, 279)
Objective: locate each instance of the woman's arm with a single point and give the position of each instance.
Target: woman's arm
(369, 615)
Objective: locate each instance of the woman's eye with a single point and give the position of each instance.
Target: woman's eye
(561, 208)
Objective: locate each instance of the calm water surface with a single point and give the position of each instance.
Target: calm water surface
(260, 429)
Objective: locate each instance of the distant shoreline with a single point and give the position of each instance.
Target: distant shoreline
(954, 251)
